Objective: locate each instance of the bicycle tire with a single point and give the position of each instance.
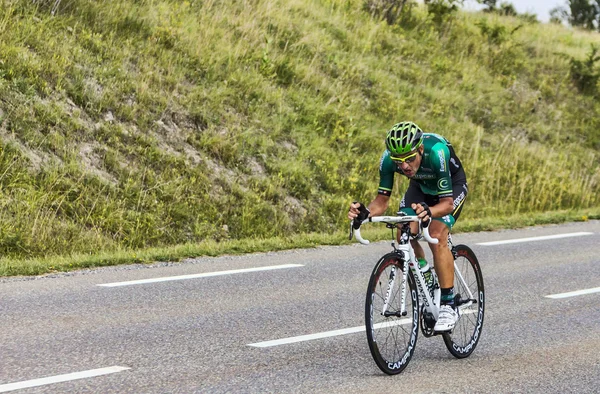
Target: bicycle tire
(463, 339)
(392, 339)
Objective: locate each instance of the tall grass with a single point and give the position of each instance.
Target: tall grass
(154, 123)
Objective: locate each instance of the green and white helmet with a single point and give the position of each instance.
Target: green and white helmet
(403, 137)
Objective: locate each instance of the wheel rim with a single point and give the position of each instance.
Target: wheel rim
(465, 334)
(394, 337)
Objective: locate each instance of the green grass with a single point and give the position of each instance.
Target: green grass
(64, 263)
(149, 125)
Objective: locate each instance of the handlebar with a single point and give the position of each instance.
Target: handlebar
(395, 219)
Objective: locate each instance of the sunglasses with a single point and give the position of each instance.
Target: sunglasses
(407, 159)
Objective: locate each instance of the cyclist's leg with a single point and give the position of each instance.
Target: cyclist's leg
(459, 191)
(443, 261)
(440, 228)
(413, 195)
(442, 256)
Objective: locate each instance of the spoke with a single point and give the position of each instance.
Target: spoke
(392, 333)
(469, 314)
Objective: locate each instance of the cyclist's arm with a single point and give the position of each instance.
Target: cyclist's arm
(441, 209)
(376, 207)
(379, 205)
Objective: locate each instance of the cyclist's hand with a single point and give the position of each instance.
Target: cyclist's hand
(358, 211)
(353, 211)
(422, 210)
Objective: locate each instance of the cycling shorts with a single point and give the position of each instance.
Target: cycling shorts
(414, 194)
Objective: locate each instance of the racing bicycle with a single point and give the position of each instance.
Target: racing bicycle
(398, 300)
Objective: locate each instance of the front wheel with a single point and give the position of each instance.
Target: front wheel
(391, 330)
(470, 301)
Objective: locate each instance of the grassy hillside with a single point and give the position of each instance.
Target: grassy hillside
(136, 124)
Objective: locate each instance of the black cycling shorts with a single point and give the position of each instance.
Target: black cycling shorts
(414, 194)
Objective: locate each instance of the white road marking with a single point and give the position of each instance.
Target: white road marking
(541, 238)
(327, 334)
(575, 293)
(60, 378)
(196, 276)
(310, 337)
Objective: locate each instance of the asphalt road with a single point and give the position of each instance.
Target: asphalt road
(194, 334)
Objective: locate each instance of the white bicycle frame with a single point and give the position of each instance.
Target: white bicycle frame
(431, 304)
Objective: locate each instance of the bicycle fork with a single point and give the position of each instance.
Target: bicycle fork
(403, 291)
(388, 293)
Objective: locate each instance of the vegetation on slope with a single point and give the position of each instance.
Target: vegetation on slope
(135, 124)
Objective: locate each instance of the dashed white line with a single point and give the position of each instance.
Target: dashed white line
(334, 333)
(326, 334)
(530, 239)
(575, 293)
(196, 276)
(302, 338)
(60, 378)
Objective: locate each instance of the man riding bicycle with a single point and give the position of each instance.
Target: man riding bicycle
(437, 190)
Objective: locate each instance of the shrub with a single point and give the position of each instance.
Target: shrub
(390, 10)
(585, 74)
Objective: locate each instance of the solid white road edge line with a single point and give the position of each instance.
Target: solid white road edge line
(60, 378)
(541, 238)
(195, 276)
(334, 333)
(575, 293)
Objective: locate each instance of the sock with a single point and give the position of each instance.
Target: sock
(447, 297)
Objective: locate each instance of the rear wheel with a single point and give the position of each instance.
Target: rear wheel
(463, 339)
(391, 333)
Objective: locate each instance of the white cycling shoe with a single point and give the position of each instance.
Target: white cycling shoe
(447, 319)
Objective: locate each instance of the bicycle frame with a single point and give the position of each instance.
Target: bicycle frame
(405, 249)
(430, 304)
(465, 286)
(398, 296)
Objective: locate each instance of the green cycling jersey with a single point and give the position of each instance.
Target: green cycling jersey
(440, 168)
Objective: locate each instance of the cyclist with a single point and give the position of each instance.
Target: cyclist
(437, 190)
